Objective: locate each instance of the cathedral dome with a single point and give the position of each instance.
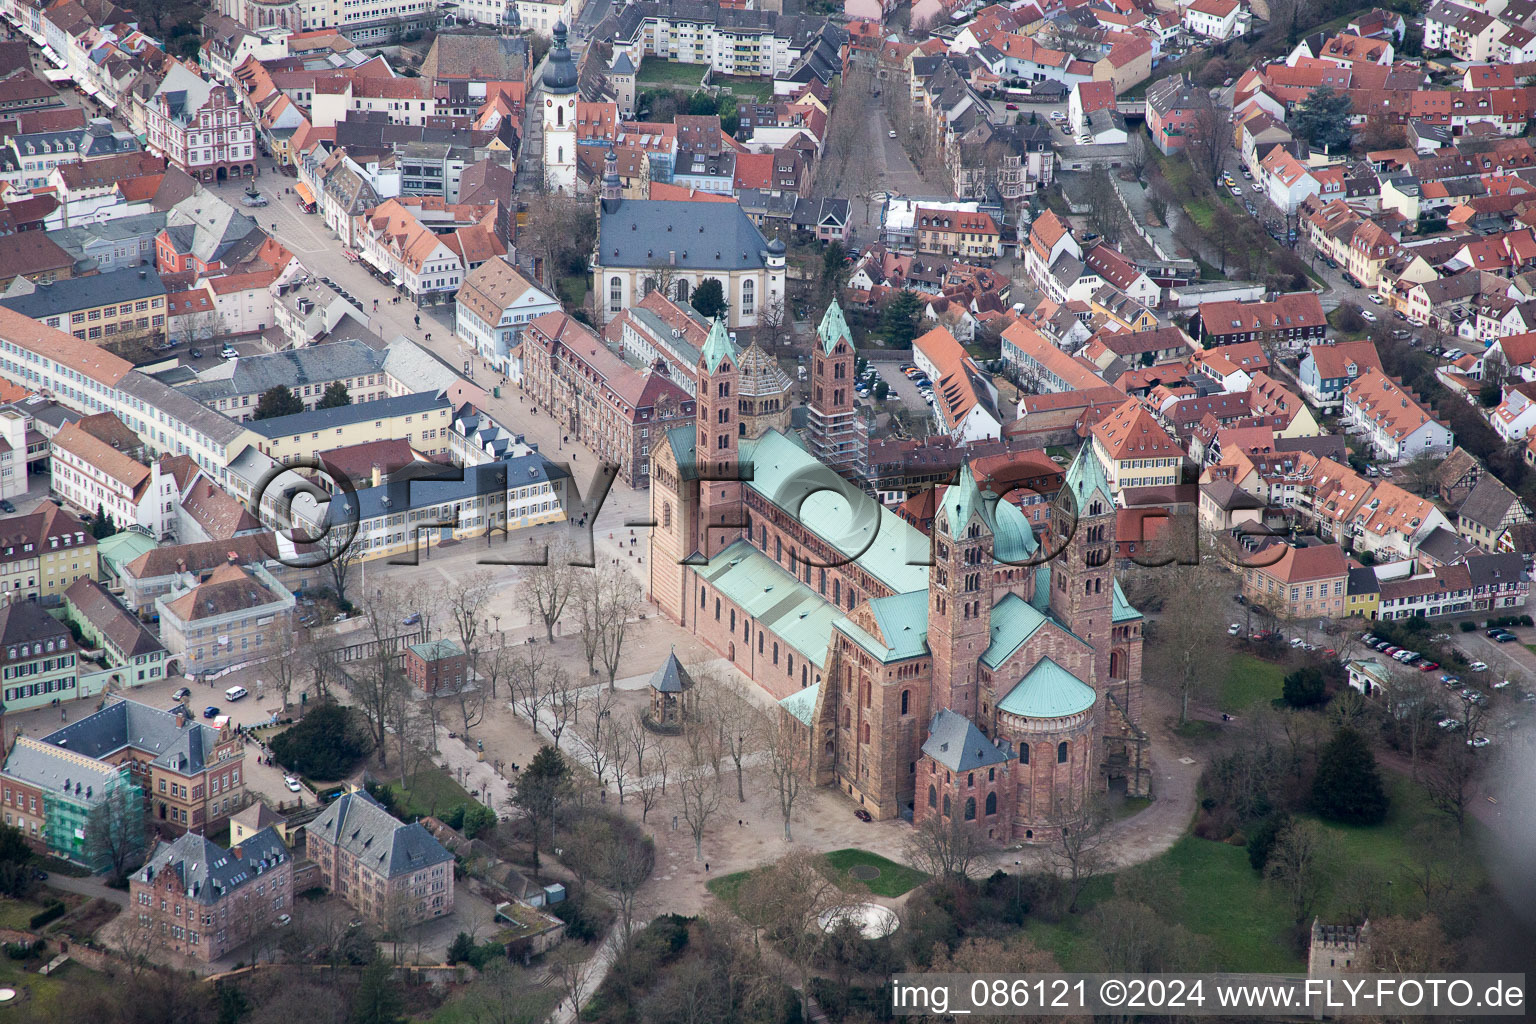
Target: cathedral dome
(1048, 691)
(560, 71)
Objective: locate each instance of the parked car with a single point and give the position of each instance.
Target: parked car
(229, 352)
(1237, 192)
(1234, 629)
(411, 619)
(1501, 684)
(1478, 666)
(1479, 741)
(6, 506)
(1367, 316)
(891, 134)
(195, 352)
(1429, 666)
(211, 711)
(181, 694)
(1505, 638)
(1011, 106)
(1450, 723)
(292, 784)
(861, 814)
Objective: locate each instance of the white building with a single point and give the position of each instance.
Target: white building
(1393, 421)
(492, 306)
(1216, 19)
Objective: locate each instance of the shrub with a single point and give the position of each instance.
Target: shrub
(1304, 688)
(326, 743)
(478, 819)
(461, 948)
(52, 912)
(1261, 841)
(1467, 627)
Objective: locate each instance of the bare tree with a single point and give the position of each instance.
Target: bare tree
(698, 787)
(588, 616)
(137, 942)
(595, 731)
(1187, 649)
(463, 600)
(504, 994)
(618, 601)
(529, 681)
(789, 763)
(565, 700)
(378, 685)
(650, 786)
(1450, 778)
(793, 896)
(943, 847)
(1205, 142)
(737, 719)
(471, 699)
(569, 968)
(291, 661)
(546, 589)
(341, 555)
(1431, 850)
(1080, 850)
(1302, 864)
(620, 752)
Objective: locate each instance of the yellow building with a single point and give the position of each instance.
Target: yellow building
(423, 420)
(41, 554)
(1135, 450)
(99, 307)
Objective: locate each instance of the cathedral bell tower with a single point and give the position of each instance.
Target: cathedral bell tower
(960, 595)
(1082, 571)
(716, 445)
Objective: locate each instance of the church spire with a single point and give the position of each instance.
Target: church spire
(718, 346)
(833, 327)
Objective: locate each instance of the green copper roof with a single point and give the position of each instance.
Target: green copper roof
(1013, 622)
(962, 500)
(1013, 539)
(833, 327)
(437, 650)
(761, 588)
(802, 703)
(903, 622)
(885, 546)
(1085, 476)
(718, 347)
(1048, 691)
(1123, 612)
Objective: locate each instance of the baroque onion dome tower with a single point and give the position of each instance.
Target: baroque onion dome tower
(959, 596)
(836, 431)
(559, 120)
(720, 509)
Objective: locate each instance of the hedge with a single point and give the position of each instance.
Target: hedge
(52, 912)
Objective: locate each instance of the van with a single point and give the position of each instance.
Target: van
(235, 693)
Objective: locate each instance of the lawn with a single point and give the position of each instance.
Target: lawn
(17, 914)
(742, 87)
(894, 879)
(1385, 846)
(48, 997)
(435, 791)
(1222, 899)
(1249, 681)
(669, 73)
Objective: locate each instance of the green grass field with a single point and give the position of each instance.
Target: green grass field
(1222, 900)
(1249, 681)
(742, 87)
(894, 880)
(17, 914)
(434, 792)
(573, 290)
(669, 73)
(55, 996)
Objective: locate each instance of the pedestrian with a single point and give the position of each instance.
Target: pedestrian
(674, 823)
(706, 867)
(738, 822)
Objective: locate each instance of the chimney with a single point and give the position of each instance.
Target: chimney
(378, 477)
(234, 559)
(238, 853)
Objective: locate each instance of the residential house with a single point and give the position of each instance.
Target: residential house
(125, 643)
(233, 618)
(1391, 419)
(1135, 450)
(62, 791)
(42, 553)
(1302, 583)
(1488, 515)
(494, 304)
(1327, 369)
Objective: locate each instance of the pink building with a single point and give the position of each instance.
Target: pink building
(201, 127)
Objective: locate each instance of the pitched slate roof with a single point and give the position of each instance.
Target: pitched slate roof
(1488, 504)
(958, 745)
(671, 677)
(357, 824)
(126, 723)
(704, 236)
(206, 871)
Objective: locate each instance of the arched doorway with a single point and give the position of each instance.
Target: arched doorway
(222, 174)
(730, 652)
